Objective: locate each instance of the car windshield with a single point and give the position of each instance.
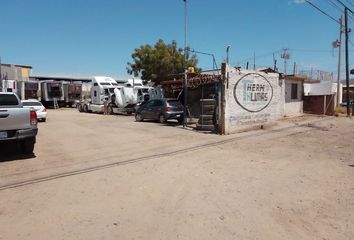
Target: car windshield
(174, 103)
(8, 100)
(27, 104)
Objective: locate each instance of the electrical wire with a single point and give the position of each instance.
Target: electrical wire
(335, 5)
(341, 3)
(350, 3)
(323, 12)
(259, 56)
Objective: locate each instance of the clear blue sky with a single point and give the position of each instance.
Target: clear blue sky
(90, 37)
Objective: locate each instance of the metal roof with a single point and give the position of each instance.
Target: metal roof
(66, 78)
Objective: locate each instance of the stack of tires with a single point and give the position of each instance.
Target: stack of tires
(206, 120)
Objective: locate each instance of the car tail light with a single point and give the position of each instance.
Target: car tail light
(168, 109)
(33, 118)
(44, 110)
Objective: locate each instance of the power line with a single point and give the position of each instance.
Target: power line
(341, 3)
(339, 8)
(310, 50)
(259, 56)
(335, 5)
(323, 12)
(351, 43)
(350, 3)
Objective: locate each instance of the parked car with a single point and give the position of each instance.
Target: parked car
(38, 107)
(161, 110)
(344, 104)
(17, 124)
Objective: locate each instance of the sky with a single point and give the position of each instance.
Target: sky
(97, 37)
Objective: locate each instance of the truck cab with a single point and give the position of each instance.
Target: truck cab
(102, 89)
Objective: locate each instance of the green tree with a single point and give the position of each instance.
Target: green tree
(159, 62)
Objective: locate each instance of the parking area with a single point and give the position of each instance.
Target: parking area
(109, 177)
(71, 141)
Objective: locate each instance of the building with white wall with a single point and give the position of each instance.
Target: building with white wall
(293, 90)
(252, 99)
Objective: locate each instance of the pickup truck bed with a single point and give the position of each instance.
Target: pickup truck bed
(17, 124)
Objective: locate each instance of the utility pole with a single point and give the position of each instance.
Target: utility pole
(347, 58)
(339, 56)
(185, 65)
(275, 63)
(0, 76)
(227, 68)
(286, 57)
(254, 61)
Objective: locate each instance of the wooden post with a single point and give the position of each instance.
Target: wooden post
(221, 99)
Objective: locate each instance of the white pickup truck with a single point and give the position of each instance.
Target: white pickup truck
(17, 124)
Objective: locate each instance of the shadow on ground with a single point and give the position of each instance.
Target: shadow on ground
(175, 123)
(12, 152)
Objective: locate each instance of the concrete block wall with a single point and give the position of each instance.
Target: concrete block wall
(252, 99)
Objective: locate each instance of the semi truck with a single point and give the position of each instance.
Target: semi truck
(28, 89)
(105, 90)
(52, 91)
(72, 93)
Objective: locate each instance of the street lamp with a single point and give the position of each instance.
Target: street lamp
(215, 66)
(227, 54)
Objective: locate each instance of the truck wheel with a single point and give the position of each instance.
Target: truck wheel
(79, 107)
(27, 145)
(85, 108)
(162, 118)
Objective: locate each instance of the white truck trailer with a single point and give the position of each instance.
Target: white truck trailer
(119, 99)
(51, 91)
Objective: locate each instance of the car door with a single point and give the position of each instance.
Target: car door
(157, 109)
(12, 115)
(146, 111)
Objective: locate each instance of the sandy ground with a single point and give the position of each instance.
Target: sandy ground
(118, 179)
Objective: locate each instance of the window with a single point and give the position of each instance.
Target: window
(158, 103)
(95, 93)
(8, 100)
(294, 91)
(150, 103)
(95, 84)
(27, 104)
(174, 103)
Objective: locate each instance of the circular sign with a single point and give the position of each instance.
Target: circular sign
(253, 92)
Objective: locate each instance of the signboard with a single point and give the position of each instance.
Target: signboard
(253, 99)
(253, 92)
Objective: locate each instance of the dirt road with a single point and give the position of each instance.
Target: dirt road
(125, 180)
